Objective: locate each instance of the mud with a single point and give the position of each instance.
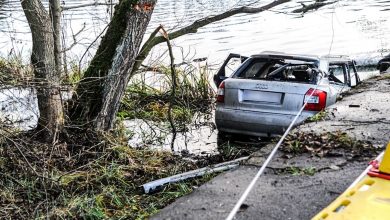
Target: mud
(362, 115)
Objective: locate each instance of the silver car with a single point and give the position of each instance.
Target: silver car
(265, 93)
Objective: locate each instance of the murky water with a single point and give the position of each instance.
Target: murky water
(359, 28)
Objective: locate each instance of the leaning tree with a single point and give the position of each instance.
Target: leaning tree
(118, 57)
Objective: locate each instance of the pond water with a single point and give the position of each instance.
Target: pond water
(359, 28)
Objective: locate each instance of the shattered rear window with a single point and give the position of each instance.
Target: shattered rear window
(280, 70)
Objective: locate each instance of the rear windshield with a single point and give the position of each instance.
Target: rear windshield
(279, 70)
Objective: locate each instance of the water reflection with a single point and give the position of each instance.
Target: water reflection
(346, 27)
(200, 139)
(2, 14)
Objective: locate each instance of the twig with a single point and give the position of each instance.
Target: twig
(92, 43)
(74, 36)
(173, 90)
(24, 157)
(12, 178)
(63, 8)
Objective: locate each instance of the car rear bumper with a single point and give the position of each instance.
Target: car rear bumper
(264, 124)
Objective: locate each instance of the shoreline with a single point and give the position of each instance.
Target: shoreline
(298, 186)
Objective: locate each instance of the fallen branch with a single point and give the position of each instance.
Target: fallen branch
(152, 186)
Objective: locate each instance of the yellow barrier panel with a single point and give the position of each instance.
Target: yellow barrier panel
(369, 199)
(385, 164)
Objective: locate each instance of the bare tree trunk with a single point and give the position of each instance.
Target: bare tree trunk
(55, 14)
(99, 93)
(49, 98)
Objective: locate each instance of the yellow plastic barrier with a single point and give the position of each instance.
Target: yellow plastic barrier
(369, 199)
(385, 164)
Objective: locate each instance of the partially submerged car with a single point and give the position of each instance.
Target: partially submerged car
(265, 93)
(384, 64)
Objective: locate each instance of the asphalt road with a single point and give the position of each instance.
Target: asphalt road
(363, 114)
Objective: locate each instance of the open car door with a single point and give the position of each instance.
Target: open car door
(232, 60)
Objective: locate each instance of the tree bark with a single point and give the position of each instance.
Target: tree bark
(42, 58)
(99, 93)
(55, 14)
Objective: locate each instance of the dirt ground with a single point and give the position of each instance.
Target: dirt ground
(300, 185)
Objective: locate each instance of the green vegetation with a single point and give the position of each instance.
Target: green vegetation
(13, 71)
(90, 176)
(295, 147)
(100, 181)
(320, 116)
(75, 74)
(151, 102)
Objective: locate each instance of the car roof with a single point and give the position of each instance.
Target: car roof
(281, 55)
(334, 59)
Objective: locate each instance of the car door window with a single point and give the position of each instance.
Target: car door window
(232, 65)
(353, 75)
(253, 70)
(337, 73)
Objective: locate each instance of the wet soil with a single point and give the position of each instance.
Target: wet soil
(299, 185)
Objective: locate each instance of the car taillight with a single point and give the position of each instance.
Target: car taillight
(317, 100)
(221, 93)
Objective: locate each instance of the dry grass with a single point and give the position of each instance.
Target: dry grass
(87, 179)
(14, 72)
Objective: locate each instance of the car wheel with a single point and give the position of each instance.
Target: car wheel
(384, 67)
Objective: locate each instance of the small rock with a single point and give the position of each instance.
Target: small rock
(244, 207)
(334, 167)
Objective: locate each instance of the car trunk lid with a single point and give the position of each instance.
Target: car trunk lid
(265, 96)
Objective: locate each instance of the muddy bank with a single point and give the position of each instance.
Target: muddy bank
(298, 185)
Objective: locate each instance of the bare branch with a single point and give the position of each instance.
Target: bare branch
(74, 36)
(193, 28)
(173, 90)
(85, 5)
(311, 7)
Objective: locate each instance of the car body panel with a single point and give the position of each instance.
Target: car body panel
(260, 105)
